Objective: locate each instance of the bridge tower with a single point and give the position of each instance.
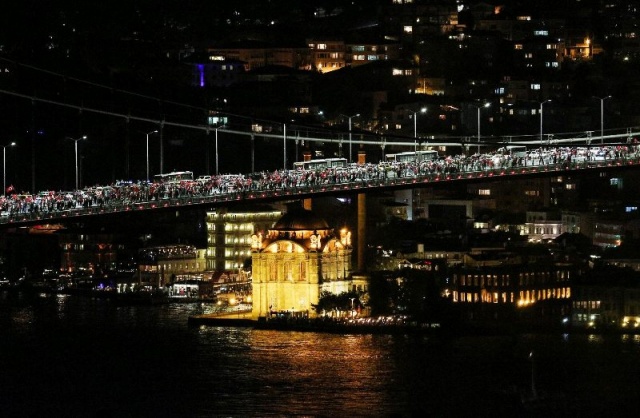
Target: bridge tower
(362, 219)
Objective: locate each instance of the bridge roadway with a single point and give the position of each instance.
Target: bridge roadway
(402, 179)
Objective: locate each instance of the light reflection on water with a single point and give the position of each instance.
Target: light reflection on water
(80, 357)
(305, 373)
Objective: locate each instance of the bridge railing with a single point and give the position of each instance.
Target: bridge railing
(383, 179)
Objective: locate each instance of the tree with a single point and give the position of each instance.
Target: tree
(330, 301)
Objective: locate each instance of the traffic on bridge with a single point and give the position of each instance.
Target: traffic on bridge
(307, 179)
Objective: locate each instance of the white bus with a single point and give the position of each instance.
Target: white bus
(514, 150)
(320, 164)
(173, 177)
(413, 156)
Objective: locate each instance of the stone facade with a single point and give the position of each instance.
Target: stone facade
(298, 259)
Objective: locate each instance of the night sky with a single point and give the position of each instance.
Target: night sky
(88, 66)
(111, 56)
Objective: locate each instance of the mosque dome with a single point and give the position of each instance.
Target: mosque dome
(300, 219)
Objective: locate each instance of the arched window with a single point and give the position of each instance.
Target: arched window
(303, 271)
(288, 274)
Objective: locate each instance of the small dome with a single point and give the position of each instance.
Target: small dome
(300, 219)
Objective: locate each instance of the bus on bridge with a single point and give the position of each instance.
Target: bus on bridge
(413, 156)
(173, 177)
(320, 164)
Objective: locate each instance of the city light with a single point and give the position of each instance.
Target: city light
(75, 140)
(541, 113)
(415, 127)
(4, 166)
(147, 134)
(480, 107)
(350, 143)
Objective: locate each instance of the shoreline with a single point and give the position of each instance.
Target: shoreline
(244, 320)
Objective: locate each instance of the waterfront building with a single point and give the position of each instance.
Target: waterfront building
(164, 265)
(295, 261)
(499, 284)
(89, 252)
(609, 304)
(229, 232)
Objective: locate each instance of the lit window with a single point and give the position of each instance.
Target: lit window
(484, 192)
(535, 86)
(408, 29)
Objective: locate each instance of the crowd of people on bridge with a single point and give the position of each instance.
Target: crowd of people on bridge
(124, 193)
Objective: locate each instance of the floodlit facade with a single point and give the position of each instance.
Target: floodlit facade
(295, 261)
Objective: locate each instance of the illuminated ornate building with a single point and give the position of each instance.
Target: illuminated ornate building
(298, 259)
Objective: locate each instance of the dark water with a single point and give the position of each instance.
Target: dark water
(76, 357)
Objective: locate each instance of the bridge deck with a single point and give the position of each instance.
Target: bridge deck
(253, 193)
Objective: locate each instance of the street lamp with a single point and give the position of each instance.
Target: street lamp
(4, 166)
(149, 133)
(602, 99)
(75, 140)
(541, 109)
(479, 107)
(350, 117)
(217, 127)
(415, 128)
